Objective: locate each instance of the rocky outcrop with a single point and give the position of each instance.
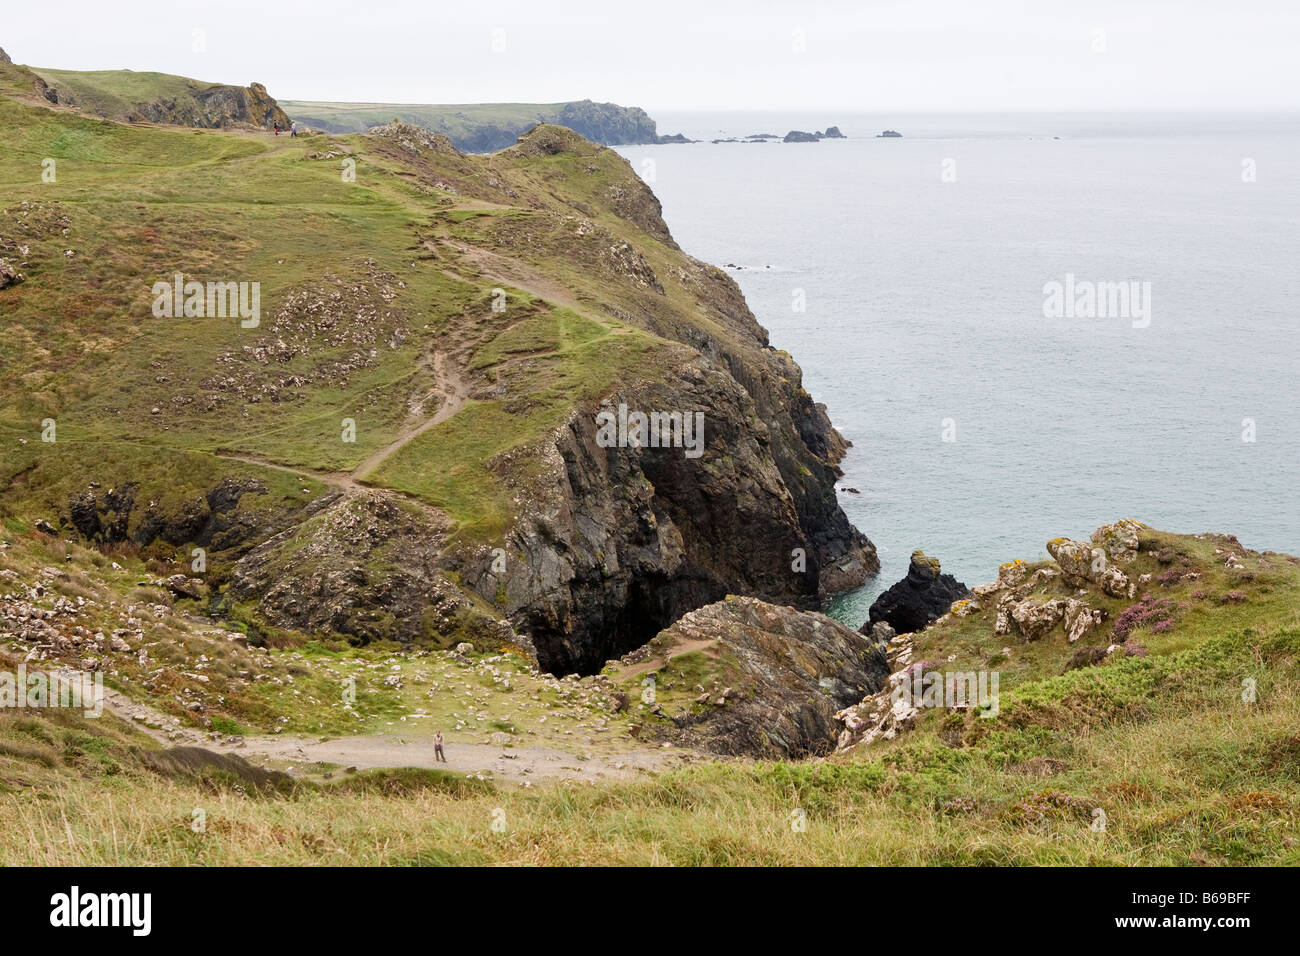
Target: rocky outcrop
(922, 596)
(367, 564)
(799, 136)
(1083, 563)
(202, 106)
(414, 138)
(4, 57)
(620, 542)
(216, 107)
(833, 132)
(789, 672)
(9, 275)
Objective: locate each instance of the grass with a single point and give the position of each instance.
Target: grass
(1225, 793)
(1184, 769)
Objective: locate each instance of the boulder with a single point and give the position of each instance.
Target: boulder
(9, 275)
(1080, 619)
(182, 587)
(1119, 539)
(922, 596)
(1082, 564)
(787, 673)
(1034, 619)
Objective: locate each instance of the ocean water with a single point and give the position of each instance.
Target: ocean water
(921, 264)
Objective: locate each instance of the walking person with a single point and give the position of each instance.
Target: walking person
(293, 128)
(437, 747)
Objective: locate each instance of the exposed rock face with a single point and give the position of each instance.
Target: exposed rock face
(623, 541)
(369, 565)
(4, 57)
(833, 132)
(923, 595)
(206, 107)
(793, 670)
(799, 136)
(214, 108)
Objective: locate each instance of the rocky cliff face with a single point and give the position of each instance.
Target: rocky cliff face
(772, 679)
(488, 128)
(594, 548)
(214, 108)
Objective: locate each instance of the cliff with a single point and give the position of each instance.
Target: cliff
(485, 128)
(471, 317)
(132, 97)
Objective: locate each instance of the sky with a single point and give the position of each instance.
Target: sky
(869, 55)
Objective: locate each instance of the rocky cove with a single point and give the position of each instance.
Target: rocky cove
(499, 498)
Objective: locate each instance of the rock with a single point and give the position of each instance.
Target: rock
(799, 136)
(464, 647)
(1034, 619)
(1080, 619)
(1119, 539)
(881, 632)
(833, 132)
(4, 57)
(799, 669)
(922, 596)
(183, 587)
(44, 527)
(889, 134)
(9, 275)
(1083, 565)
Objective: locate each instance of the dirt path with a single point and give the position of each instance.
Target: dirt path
(657, 661)
(414, 749)
(453, 390)
(450, 387)
(506, 271)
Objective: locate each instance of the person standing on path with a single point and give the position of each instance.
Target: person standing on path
(437, 747)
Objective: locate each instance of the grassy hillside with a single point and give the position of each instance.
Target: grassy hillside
(116, 92)
(380, 260)
(1162, 749)
(132, 393)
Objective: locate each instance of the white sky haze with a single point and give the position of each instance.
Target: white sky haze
(670, 55)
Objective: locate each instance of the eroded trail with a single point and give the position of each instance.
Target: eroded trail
(452, 390)
(299, 755)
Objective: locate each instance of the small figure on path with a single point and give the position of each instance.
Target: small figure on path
(437, 747)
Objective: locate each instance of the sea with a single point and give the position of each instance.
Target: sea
(1028, 325)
